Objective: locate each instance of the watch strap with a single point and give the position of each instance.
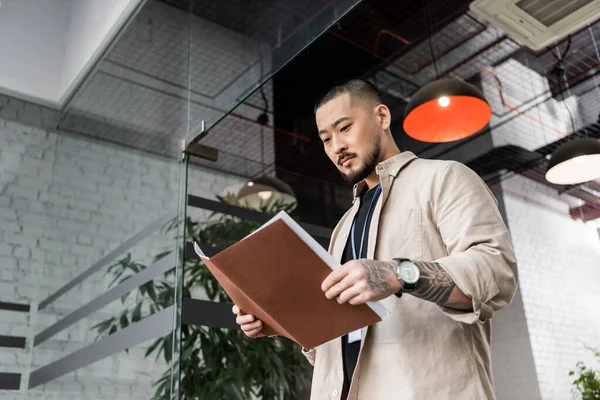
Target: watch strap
(409, 287)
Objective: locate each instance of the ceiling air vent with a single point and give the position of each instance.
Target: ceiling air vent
(538, 23)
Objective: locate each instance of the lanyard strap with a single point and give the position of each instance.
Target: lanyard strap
(362, 239)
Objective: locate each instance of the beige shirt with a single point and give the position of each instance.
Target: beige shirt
(439, 211)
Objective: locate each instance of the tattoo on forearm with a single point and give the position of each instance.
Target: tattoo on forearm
(436, 285)
(378, 275)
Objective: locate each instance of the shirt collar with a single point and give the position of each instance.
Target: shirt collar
(392, 166)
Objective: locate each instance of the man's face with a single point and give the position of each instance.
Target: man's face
(351, 136)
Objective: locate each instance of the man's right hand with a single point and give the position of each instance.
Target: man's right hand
(250, 325)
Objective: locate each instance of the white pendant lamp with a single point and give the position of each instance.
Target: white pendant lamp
(262, 192)
(575, 162)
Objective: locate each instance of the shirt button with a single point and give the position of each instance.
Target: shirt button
(335, 393)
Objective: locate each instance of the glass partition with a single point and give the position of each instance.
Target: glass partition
(237, 46)
(109, 283)
(122, 307)
(104, 222)
(180, 66)
(106, 318)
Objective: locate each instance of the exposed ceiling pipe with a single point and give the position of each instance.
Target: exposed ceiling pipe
(533, 201)
(585, 213)
(442, 53)
(389, 33)
(358, 46)
(516, 109)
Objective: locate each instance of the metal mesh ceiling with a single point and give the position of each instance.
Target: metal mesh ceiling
(167, 44)
(172, 71)
(444, 41)
(138, 95)
(462, 48)
(502, 162)
(581, 57)
(269, 21)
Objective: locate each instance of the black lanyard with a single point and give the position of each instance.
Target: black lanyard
(362, 239)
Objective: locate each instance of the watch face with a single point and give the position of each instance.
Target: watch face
(409, 272)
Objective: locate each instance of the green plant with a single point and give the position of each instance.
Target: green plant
(215, 363)
(587, 380)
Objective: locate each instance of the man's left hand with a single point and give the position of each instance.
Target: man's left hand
(361, 281)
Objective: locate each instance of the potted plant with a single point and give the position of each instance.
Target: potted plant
(587, 380)
(215, 363)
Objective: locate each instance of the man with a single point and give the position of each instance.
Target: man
(425, 238)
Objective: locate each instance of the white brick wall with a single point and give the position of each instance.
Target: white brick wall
(513, 367)
(66, 202)
(558, 258)
(558, 261)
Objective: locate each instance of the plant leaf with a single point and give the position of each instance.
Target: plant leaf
(151, 292)
(102, 326)
(168, 349)
(159, 256)
(123, 321)
(153, 346)
(137, 313)
(117, 276)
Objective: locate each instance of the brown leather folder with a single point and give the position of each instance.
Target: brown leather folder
(276, 276)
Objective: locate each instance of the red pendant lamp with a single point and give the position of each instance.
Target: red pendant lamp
(446, 109)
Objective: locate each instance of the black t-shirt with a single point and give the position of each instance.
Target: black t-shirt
(350, 350)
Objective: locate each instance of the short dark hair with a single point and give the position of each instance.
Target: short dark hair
(355, 87)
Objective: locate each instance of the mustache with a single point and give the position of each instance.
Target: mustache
(342, 157)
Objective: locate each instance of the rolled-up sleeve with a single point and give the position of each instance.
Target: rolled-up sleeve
(310, 355)
(481, 258)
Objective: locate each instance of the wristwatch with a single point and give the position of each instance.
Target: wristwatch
(407, 272)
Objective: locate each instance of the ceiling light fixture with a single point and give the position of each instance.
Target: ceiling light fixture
(444, 101)
(574, 162)
(261, 193)
(446, 109)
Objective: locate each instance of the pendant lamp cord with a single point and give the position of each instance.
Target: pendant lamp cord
(559, 71)
(427, 5)
(263, 167)
(587, 134)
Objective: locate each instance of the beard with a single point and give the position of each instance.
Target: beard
(368, 166)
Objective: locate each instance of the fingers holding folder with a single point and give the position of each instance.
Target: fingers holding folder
(251, 326)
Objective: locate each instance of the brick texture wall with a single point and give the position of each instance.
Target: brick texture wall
(66, 202)
(559, 261)
(554, 315)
